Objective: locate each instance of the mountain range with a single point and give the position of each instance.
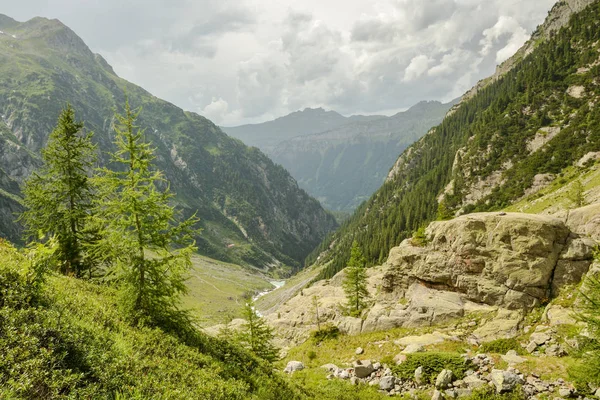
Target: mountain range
(252, 211)
(340, 160)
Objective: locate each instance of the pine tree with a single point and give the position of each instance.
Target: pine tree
(577, 194)
(58, 197)
(256, 335)
(443, 213)
(355, 281)
(140, 229)
(586, 373)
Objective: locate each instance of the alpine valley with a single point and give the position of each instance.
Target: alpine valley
(467, 265)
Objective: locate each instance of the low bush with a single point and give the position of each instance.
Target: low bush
(501, 346)
(325, 333)
(433, 364)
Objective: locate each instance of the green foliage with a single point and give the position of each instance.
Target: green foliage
(311, 355)
(489, 393)
(433, 364)
(355, 282)
(58, 197)
(501, 346)
(577, 194)
(256, 335)
(588, 370)
(66, 340)
(328, 332)
(139, 229)
(419, 238)
(443, 213)
(492, 129)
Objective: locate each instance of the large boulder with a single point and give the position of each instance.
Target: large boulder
(500, 259)
(505, 381)
(363, 368)
(293, 366)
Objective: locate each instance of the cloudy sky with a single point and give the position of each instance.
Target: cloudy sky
(245, 61)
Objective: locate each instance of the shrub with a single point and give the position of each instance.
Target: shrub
(311, 355)
(327, 332)
(488, 393)
(433, 364)
(501, 346)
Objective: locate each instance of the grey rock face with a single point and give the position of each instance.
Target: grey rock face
(387, 383)
(505, 381)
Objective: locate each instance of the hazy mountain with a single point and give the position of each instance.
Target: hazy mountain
(267, 135)
(342, 167)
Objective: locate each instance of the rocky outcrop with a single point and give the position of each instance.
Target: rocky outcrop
(488, 263)
(510, 260)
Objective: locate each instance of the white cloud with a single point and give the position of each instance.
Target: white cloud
(417, 67)
(241, 61)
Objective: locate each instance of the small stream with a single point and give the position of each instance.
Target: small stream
(276, 285)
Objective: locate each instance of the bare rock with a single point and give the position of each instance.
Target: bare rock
(363, 368)
(387, 383)
(413, 348)
(444, 379)
(505, 381)
(293, 366)
(359, 351)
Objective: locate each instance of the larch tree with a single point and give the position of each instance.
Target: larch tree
(256, 335)
(58, 197)
(148, 248)
(355, 281)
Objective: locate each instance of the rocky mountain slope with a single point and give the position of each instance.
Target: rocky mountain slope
(251, 210)
(502, 263)
(342, 167)
(517, 134)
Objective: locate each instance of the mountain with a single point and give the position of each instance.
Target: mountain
(267, 135)
(527, 127)
(343, 166)
(251, 210)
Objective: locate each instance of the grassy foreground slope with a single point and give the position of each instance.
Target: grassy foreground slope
(65, 338)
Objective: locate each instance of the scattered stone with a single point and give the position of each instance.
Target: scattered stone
(359, 351)
(293, 366)
(387, 383)
(451, 393)
(531, 347)
(540, 338)
(437, 395)
(330, 367)
(473, 382)
(597, 394)
(512, 357)
(413, 348)
(463, 392)
(443, 379)
(377, 366)
(504, 381)
(344, 374)
(565, 392)
(419, 376)
(354, 380)
(555, 351)
(363, 368)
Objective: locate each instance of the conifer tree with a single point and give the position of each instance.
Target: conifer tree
(256, 335)
(443, 213)
(58, 197)
(577, 194)
(140, 229)
(586, 373)
(355, 281)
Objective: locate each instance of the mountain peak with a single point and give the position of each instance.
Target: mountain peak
(7, 22)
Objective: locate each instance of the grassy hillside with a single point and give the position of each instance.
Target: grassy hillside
(540, 118)
(66, 339)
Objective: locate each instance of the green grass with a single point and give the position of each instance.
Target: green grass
(66, 338)
(217, 290)
(556, 195)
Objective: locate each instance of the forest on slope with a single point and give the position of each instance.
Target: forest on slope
(490, 133)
